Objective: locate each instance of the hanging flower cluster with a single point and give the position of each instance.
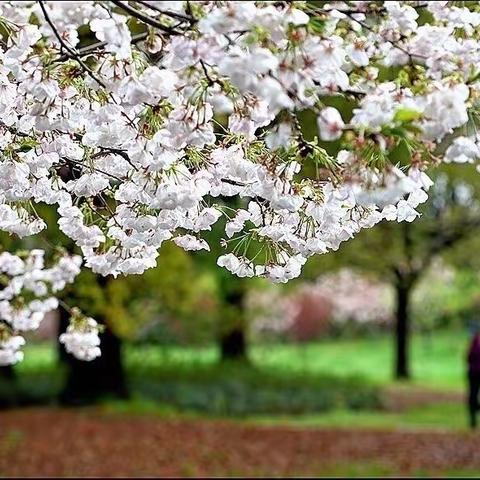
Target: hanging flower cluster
(81, 338)
(27, 294)
(148, 121)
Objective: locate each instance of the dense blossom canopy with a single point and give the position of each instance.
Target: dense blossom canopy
(148, 121)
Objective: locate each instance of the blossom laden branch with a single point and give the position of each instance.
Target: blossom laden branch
(71, 52)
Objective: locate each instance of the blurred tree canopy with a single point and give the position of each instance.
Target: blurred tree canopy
(172, 302)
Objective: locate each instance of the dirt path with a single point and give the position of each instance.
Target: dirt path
(86, 443)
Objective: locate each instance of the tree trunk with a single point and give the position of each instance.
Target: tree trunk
(402, 331)
(8, 387)
(233, 339)
(87, 382)
(233, 345)
(7, 373)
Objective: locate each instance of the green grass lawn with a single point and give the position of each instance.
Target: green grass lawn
(440, 416)
(436, 417)
(438, 361)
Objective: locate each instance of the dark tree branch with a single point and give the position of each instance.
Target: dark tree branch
(145, 18)
(81, 52)
(168, 13)
(84, 165)
(115, 151)
(233, 182)
(443, 239)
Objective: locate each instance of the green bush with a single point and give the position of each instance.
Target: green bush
(239, 390)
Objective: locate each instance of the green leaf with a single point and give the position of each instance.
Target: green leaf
(406, 115)
(317, 25)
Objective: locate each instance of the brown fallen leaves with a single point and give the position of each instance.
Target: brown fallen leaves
(40, 442)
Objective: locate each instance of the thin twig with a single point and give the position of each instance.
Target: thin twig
(370, 29)
(66, 47)
(205, 71)
(98, 45)
(76, 162)
(116, 151)
(167, 13)
(145, 18)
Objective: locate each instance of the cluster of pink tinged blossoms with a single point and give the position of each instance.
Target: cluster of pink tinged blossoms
(149, 121)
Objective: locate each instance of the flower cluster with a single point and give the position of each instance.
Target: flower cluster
(81, 338)
(140, 138)
(27, 294)
(10, 352)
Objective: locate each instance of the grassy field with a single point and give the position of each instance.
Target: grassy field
(438, 360)
(440, 416)
(307, 379)
(448, 417)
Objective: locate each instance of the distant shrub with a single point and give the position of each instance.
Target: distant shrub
(241, 390)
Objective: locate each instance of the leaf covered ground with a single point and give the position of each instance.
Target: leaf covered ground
(90, 442)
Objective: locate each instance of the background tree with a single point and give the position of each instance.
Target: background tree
(401, 253)
(231, 322)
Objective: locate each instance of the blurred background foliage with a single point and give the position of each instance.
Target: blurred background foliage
(158, 306)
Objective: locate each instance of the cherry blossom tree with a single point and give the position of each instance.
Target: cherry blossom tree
(337, 302)
(140, 121)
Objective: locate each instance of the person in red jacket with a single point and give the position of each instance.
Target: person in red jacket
(473, 359)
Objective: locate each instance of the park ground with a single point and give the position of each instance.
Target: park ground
(418, 429)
